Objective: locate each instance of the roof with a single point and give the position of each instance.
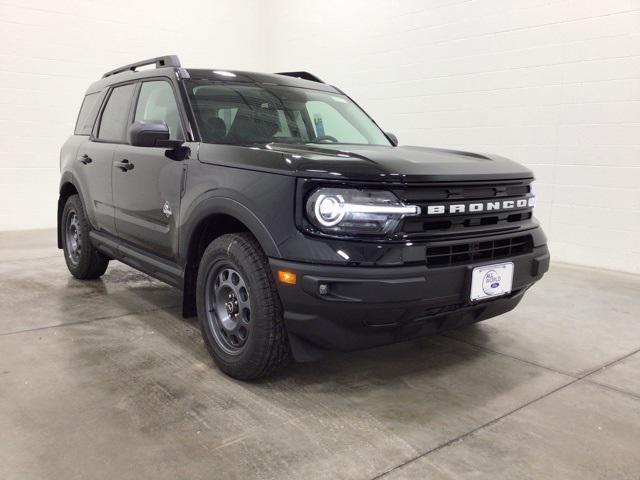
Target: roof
(238, 76)
(169, 66)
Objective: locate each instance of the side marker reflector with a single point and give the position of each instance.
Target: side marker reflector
(286, 277)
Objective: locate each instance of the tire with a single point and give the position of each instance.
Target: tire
(83, 260)
(247, 339)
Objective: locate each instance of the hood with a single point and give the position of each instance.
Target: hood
(368, 162)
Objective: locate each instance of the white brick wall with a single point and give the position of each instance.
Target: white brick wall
(552, 84)
(50, 51)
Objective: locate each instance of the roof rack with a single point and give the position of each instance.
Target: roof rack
(302, 75)
(166, 61)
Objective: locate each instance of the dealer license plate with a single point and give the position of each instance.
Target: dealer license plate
(491, 281)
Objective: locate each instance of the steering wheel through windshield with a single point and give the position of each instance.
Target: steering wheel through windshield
(325, 139)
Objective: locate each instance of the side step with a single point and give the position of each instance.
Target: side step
(152, 265)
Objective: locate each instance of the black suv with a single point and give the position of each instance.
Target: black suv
(289, 219)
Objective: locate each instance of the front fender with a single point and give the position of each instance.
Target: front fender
(212, 204)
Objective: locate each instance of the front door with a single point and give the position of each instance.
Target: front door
(146, 183)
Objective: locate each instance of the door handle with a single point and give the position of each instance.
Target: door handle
(85, 159)
(124, 165)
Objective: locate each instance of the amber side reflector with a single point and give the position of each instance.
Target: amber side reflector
(289, 278)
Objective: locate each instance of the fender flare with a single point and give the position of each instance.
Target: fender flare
(67, 177)
(219, 205)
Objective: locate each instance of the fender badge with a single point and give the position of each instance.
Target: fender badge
(166, 209)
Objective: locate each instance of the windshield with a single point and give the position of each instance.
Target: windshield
(241, 114)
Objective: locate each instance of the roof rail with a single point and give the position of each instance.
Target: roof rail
(166, 61)
(303, 75)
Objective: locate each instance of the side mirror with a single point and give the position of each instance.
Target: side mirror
(151, 134)
(392, 138)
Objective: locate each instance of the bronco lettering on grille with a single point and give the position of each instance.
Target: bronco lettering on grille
(476, 207)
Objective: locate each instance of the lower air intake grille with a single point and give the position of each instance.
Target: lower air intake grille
(479, 251)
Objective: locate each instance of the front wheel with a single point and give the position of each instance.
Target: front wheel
(239, 308)
(83, 260)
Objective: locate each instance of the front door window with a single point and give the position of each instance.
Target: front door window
(156, 102)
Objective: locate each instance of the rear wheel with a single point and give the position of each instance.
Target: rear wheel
(239, 308)
(83, 260)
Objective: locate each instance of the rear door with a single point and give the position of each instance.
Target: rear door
(95, 157)
(146, 183)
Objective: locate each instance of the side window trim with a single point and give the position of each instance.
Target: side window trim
(182, 104)
(96, 124)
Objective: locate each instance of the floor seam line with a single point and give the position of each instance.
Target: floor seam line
(612, 363)
(475, 430)
(612, 388)
(502, 417)
(513, 357)
(607, 365)
(82, 322)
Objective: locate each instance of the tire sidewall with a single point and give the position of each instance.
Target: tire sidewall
(227, 250)
(73, 205)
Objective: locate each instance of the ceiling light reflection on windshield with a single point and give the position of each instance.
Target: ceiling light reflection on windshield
(224, 73)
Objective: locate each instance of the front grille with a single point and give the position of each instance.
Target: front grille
(466, 190)
(478, 251)
(468, 223)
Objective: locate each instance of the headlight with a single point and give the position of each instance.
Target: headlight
(532, 198)
(351, 211)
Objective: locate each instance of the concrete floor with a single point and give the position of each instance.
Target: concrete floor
(104, 379)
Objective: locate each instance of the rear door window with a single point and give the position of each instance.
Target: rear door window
(115, 115)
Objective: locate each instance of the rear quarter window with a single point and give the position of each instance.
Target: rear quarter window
(88, 113)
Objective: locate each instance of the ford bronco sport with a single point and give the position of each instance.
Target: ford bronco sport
(291, 222)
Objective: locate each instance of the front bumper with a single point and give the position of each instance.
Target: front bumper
(368, 306)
